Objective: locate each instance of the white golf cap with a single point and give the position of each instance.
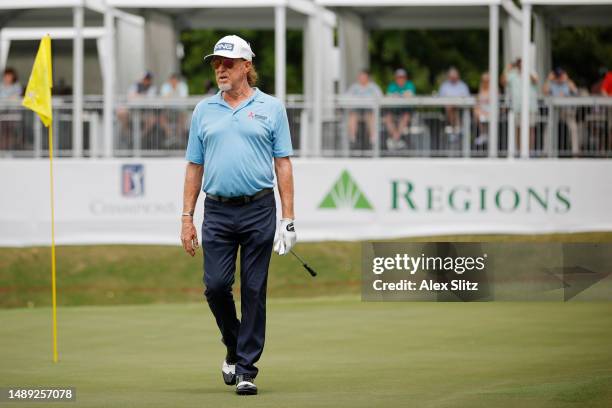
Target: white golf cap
(232, 46)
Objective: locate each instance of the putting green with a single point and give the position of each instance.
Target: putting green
(323, 352)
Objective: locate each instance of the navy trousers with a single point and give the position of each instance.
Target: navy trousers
(251, 227)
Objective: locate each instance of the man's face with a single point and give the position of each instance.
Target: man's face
(400, 80)
(453, 75)
(230, 72)
(8, 79)
(146, 81)
(363, 78)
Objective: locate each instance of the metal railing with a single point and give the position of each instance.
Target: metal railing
(23, 135)
(351, 127)
(417, 126)
(450, 127)
(152, 127)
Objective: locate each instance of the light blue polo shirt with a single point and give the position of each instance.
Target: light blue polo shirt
(236, 146)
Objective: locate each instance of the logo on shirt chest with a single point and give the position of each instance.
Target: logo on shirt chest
(253, 115)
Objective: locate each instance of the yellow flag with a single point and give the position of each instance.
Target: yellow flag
(38, 93)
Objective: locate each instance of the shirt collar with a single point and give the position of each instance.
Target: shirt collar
(217, 98)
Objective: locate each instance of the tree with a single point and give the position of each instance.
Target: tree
(199, 43)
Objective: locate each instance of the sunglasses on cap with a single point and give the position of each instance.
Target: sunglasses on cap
(227, 62)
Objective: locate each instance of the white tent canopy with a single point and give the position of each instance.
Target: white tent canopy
(161, 20)
(356, 17)
(574, 13)
(38, 14)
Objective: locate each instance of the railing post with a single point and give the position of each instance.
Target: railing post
(345, 144)
(467, 134)
(77, 95)
(109, 82)
(136, 131)
(377, 130)
(304, 131)
(550, 138)
(493, 76)
(37, 137)
(554, 119)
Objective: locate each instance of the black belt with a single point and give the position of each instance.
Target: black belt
(245, 199)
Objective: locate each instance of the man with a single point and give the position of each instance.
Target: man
(235, 137)
(149, 118)
(363, 88)
(399, 87)
(174, 87)
(512, 82)
(453, 87)
(606, 84)
(10, 130)
(10, 88)
(174, 117)
(558, 84)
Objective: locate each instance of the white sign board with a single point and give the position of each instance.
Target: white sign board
(140, 200)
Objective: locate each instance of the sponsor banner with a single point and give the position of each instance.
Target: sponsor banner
(140, 200)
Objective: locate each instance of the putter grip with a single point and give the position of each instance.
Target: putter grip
(310, 271)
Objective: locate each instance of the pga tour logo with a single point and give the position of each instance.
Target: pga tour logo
(224, 47)
(132, 180)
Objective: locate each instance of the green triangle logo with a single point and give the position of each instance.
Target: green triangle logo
(345, 194)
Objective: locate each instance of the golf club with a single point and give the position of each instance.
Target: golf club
(305, 265)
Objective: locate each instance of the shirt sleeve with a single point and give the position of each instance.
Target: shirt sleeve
(606, 85)
(377, 91)
(165, 90)
(442, 91)
(282, 137)
(184, 90)
(195, 145)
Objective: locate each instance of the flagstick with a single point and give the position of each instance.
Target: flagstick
(53, 289)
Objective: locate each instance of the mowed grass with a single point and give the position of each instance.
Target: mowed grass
(126, 274)
(322, 352)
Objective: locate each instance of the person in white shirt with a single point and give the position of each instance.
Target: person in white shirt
(175, 119)
(174, 87)
(363, 88)
(453, 87)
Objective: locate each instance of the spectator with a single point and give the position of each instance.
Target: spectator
(558, 84)
(482, 110)
(511, 80)
(174, 117)
(209, 87)
(143, 88)
(11, 133)
(606, 90)
(397, 119)
(596, 87)
(363, 88)
(606, 85)
(150, 117)
(10, 87)
(174, 88)
(62, 88)
(453, 87)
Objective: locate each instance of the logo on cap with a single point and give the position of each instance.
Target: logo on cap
(224, 47)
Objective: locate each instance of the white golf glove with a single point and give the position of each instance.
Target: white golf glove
(285, 237)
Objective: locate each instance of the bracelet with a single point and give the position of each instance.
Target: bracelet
(187, 214)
